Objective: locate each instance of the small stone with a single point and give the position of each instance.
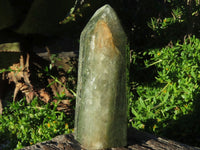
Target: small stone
(101, 104)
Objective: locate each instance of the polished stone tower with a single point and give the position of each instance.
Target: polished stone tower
(101, 104)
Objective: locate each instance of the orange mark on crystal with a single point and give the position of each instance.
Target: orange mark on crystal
(104, 38)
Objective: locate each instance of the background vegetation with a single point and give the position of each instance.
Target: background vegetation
(164, 73)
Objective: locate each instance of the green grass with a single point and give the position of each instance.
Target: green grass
(25, 124)
(168, 105)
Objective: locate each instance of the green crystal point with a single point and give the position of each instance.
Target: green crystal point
(101, 104)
